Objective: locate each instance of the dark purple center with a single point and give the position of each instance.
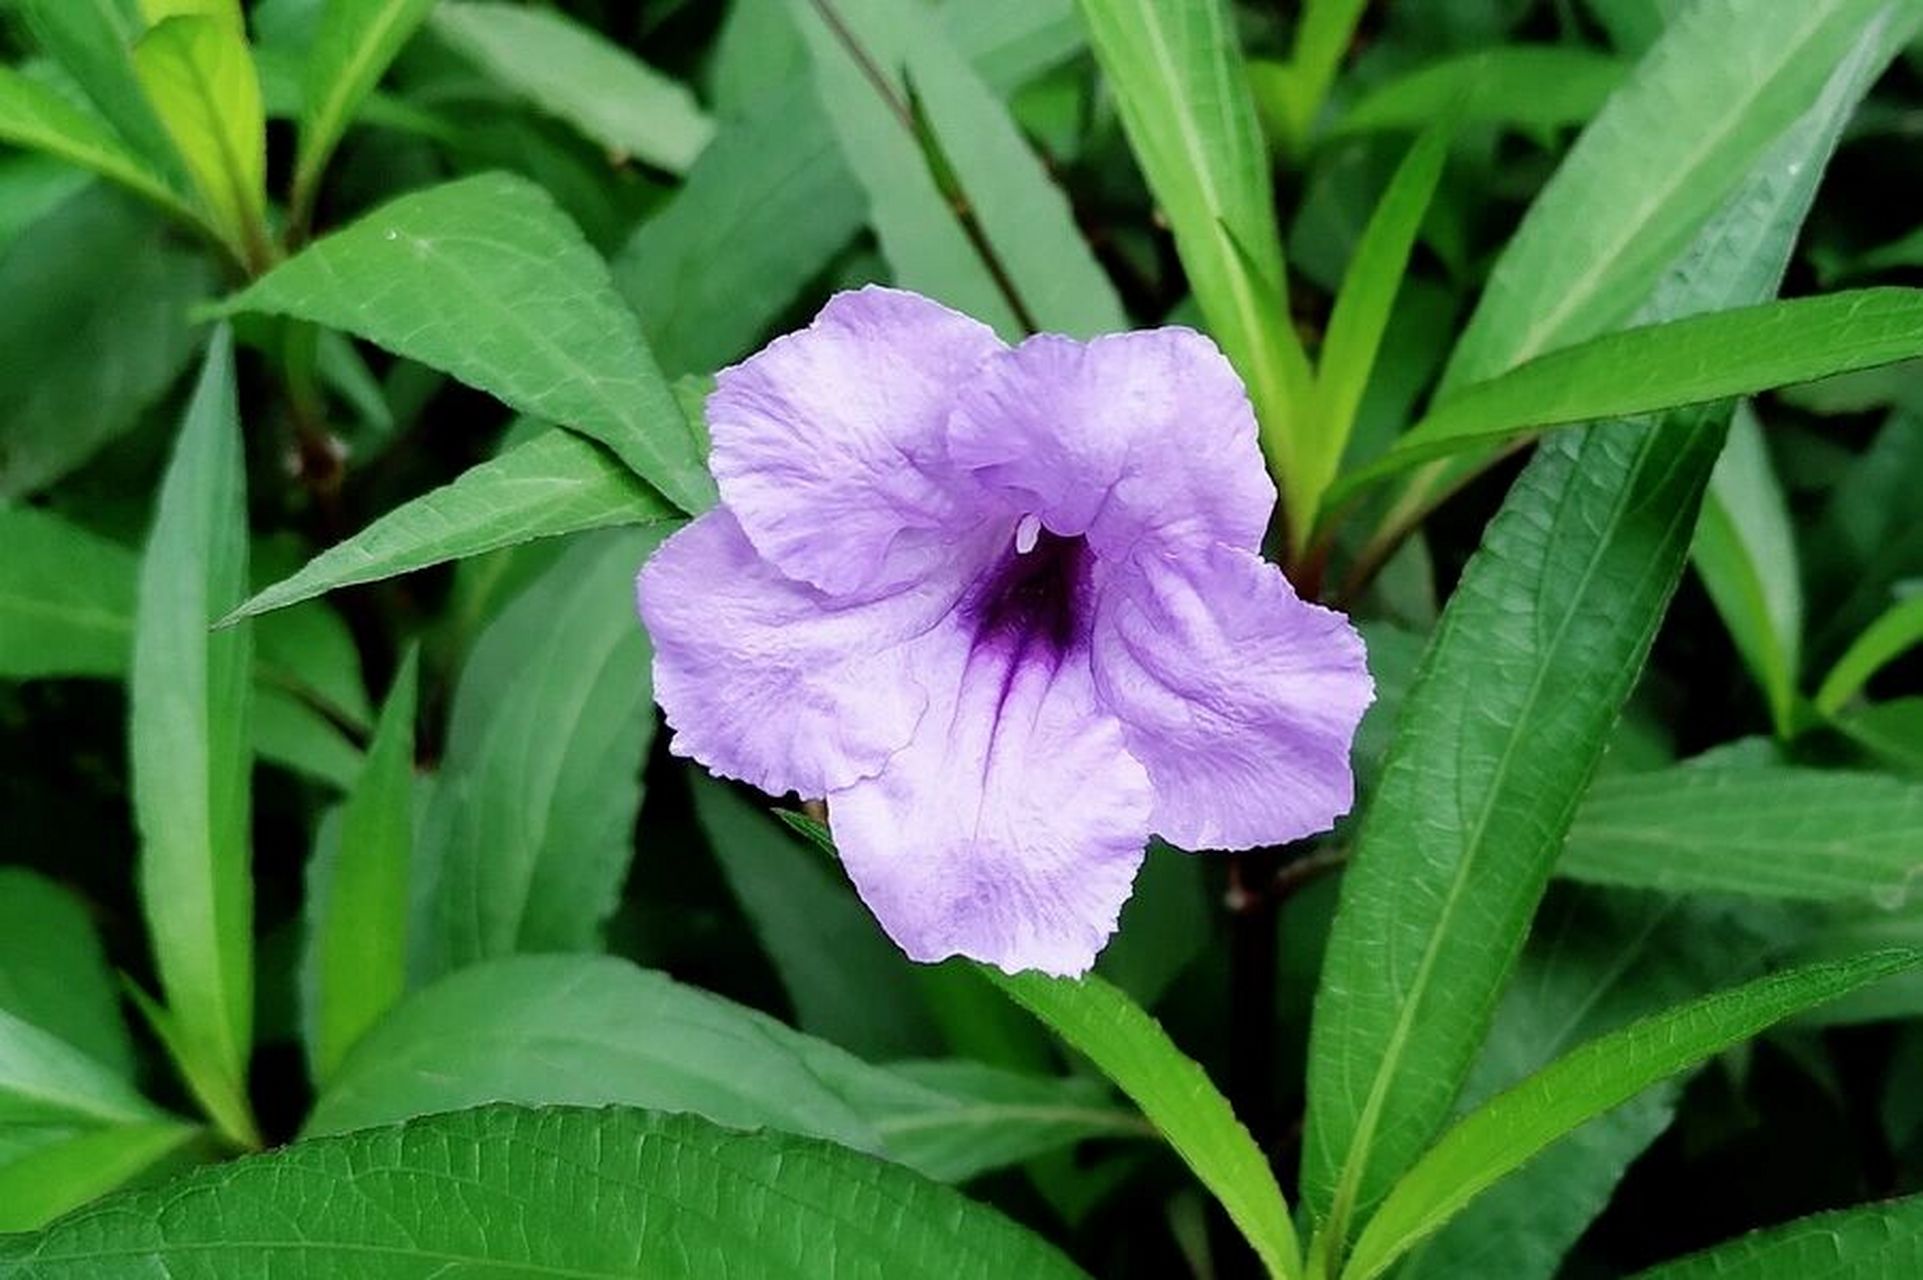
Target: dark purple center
(1035, 601)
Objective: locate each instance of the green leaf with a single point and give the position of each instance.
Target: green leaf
(846, 981)
(1596, 960)
(1505, 1133)
(288, 731)
(226, 12)
(190, 693)
(1510, 713)
(357, 911)
(1131, 1049)
(763, 210)
(572, 72)
(43, 1078)
(1872, 1242)
(892, 81)
(65, 598)
(1895, 633)
(53, 972)
(1535, 87)
(1361, 314)
(532, 823)
(94, 331)
(770, 201)
(1183, 97)
(485, 279)
(954, 1119)
(1772, 832)
(309, 651)
(354, 44)
(31, 188)
(617, 1193)
(1693, 360)
(1322, 39)
(1662, 156)
(35, 116)
(557, 483)
(199, 75)
(93, 41)
(1699, 112)
(1892, 731)
(81, 1165)
(1745, 552)
(1178, 79)
(614, 1192)
(594, 1030)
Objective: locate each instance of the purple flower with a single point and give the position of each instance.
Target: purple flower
(1003, 608)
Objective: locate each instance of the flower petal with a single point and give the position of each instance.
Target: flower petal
(768, 680)
(828, 444)
(1239, 697)
(1130, 435)
(1010, 830)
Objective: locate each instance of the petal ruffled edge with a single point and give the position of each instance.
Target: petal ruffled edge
(769, 680)
(829, 443)
(1143, 435)
(1240, 698)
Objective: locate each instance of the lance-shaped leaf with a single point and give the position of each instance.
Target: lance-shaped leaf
(1511, 710)
(557, 483)
(1810, 834)
(964, 210)
(355, 43)
(1745, 553)
(37, 117)
(1897, 631)
(43, 1078)
(1182, 90)
(770, 201)
(93, 42)
(1873, 1242)
(486, 279)
(558, 1191)
(1131, 1049)
(1596, 961)
(357, 899)
(593, 1030)
(190, 693)
(1361, 314)
(532, 824)
(200, 77)
(64, 1168)
(1662, 366)
(573, 72)
(1695, 116)
(1504, 1133)
(1534, 87)
(846, 981)
(65, 598)
(94, 331)
(53, 972)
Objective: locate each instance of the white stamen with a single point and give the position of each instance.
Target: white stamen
(1027, 534)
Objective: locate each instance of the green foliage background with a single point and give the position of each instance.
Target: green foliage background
(354, 919)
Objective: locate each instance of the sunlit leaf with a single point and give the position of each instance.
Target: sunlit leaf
(199, 75)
